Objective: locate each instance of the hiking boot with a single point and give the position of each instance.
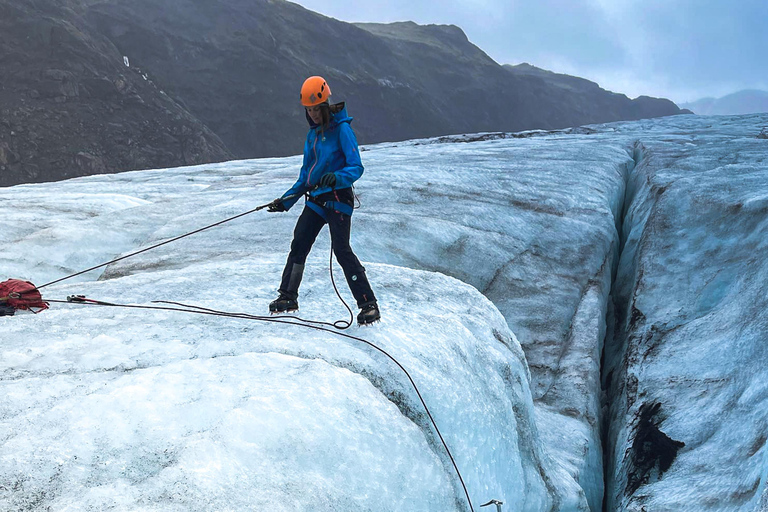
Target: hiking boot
(283, 304)
(368, 314)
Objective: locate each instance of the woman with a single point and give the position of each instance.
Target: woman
(331, 165)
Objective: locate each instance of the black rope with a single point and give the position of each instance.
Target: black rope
(290, 320)
(339, 324)
(285, 319)
(167, 241)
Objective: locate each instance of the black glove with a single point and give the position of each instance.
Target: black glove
(327, 180)
(277, 206)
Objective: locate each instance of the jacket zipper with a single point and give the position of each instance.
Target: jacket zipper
(314, 148)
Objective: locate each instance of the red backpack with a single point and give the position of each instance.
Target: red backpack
(16, 294)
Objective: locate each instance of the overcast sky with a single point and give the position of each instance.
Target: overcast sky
(678, 49)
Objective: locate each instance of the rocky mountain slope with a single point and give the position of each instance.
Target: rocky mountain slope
(209, 80)
(70, 107)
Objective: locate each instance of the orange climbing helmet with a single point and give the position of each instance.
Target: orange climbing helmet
(314, 91)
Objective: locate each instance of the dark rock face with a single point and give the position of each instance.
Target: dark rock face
(211, 80)
(70, 107)
(652, 450)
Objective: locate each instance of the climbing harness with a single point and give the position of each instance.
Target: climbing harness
(19, 294)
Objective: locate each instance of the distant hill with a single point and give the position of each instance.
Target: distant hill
(211, 80)
(748, 101)
(573, 97)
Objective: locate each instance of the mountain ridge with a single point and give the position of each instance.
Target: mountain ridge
(745, 101)
(211, 81)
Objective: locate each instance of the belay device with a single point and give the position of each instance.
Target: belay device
(16, 295)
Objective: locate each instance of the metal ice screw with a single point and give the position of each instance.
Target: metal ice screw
(494, 502)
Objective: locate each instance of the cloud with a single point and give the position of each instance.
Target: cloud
(690, 48)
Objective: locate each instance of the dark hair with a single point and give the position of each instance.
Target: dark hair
(325, 111)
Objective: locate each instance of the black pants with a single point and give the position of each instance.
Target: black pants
(304, 235)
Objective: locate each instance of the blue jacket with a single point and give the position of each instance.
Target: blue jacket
(331, 150)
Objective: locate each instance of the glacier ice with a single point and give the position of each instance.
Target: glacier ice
(657, 224)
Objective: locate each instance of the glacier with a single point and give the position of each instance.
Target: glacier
(583, 312)
(691, 324)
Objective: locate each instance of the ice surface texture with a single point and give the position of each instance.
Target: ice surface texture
(154, 410)
(135, 410)
(691, 331)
